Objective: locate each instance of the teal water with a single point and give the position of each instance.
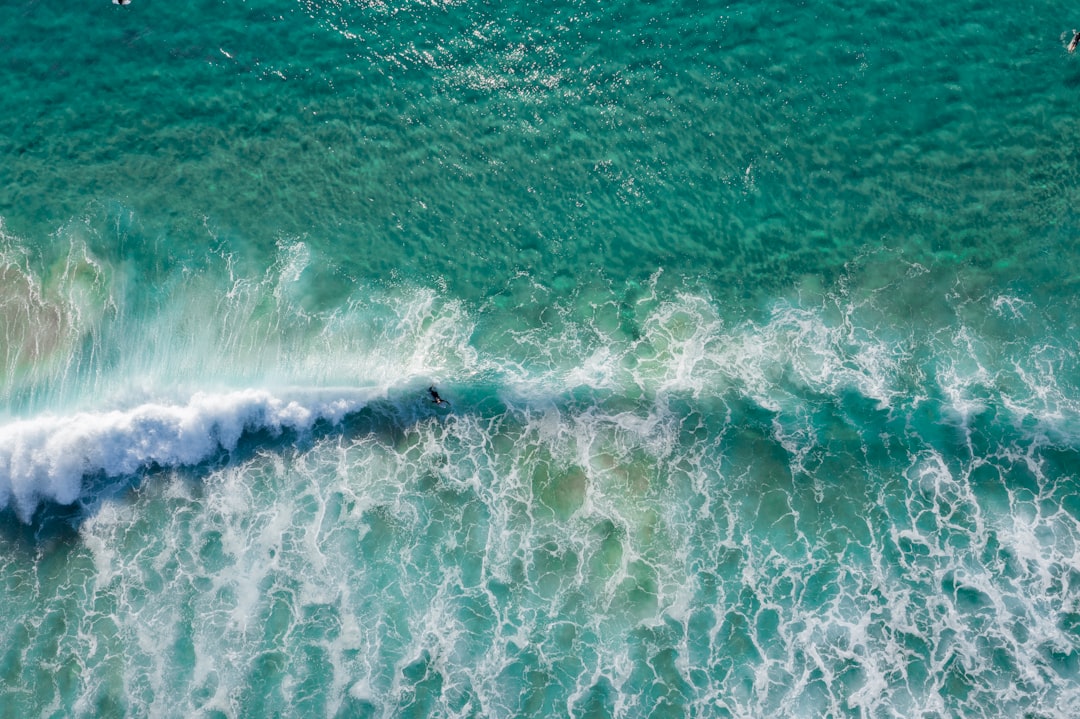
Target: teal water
(757, 324)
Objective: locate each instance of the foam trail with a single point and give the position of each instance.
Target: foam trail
(47, 457)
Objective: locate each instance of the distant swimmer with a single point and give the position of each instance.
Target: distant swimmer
(121, 2)
(1074, 42)
(436, 398)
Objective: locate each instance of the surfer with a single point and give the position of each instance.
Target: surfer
(1074, 42)
(436, 398)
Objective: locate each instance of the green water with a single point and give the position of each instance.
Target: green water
(757, 325)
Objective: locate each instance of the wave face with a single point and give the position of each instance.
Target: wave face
(756, 324)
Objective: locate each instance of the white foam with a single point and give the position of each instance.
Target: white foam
(47, 457)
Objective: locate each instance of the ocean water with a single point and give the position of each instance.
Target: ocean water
(758, 324)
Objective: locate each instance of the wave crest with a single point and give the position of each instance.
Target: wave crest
(48, 457)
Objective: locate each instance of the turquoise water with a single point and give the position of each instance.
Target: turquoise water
(757, 324)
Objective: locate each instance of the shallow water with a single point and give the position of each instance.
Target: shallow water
(757, 325)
